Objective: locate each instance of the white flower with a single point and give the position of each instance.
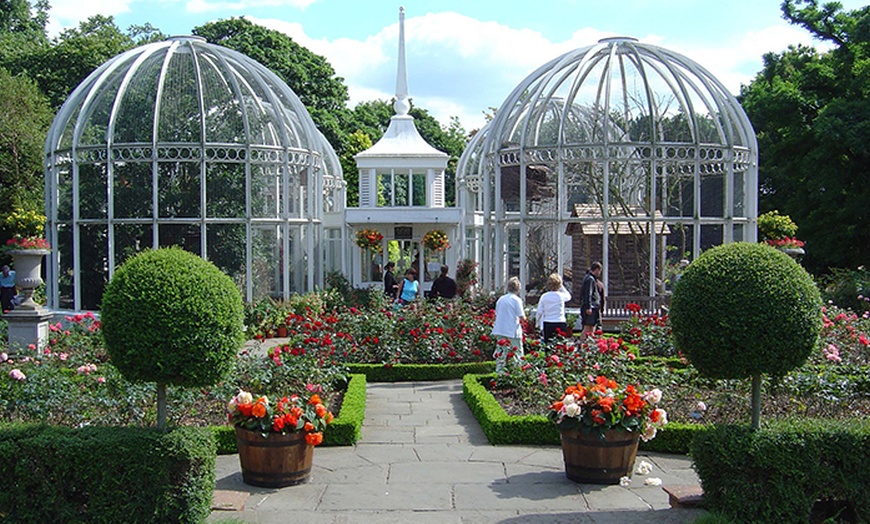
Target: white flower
(652, 481)
(649, 433)
(244, 397)
(654, 396)
(569, 399)
(624, 482)
(572, 410)
(4, 357)
(701, 406)
(661, 417)
(643, 468)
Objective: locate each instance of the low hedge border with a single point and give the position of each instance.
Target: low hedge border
(419, 372)
(501, 428)
(780, 472)
(343, 431)
(105, 474)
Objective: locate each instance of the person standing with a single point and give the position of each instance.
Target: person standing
(507, 329)
(390, 286)
(409, 288)
(590, 299)
(443, 286)
(7, 288)
(550, 315)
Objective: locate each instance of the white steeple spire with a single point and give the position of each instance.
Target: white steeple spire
(402, 106)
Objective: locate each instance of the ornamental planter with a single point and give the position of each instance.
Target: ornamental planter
(274, 461)
(28, 275)
(591, 460)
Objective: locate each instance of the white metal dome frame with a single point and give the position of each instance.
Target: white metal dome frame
(619, 138)
(188, 143)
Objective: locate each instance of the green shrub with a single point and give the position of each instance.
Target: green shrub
(419, 372)
(343, 431)
(171, 317)
(744, 309)
(774, 226)
(777, 473)
(105, 474)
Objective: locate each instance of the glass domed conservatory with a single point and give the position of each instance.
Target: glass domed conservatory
(620, 152)
(186, 143)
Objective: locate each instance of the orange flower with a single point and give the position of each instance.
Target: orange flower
(315, 399)
(634, 404)
(308, 426)
(314, 438)
(328, 418)
(245, 409)
(278, 424)
(557, 405)
(296, 411)
(291, 421)
(320, 410)
(606, 404)
(259, 410)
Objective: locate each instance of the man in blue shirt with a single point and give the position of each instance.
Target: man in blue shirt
(7, 288)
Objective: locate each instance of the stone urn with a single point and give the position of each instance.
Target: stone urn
(28, 277)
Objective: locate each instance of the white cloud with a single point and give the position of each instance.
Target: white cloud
(65, 14)
(203, 6)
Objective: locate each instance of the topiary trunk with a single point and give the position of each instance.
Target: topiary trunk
(756, 401)
(161, 405)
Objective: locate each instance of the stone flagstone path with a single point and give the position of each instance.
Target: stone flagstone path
(423, 458)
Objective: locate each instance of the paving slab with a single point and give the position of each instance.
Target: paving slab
(423, 459)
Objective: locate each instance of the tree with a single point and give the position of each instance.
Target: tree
(811, 112)
(309, 75)
(741, 310)
(26, 117)
(173, 318)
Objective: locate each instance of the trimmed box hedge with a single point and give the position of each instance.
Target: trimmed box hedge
(779, 472)
(501, 428)
(419, 372)
(343, 431)
(105, 474)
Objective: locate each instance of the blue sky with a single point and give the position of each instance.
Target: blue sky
(467, 55)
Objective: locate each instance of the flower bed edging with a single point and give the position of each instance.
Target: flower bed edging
(343, 431)
(419, 372)
(501, 428)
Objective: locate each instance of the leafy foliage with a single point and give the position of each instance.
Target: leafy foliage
(744, 309)
(171, 317)
(810, 111)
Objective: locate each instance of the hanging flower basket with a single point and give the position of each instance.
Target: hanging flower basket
(369, 239)
(436, 240)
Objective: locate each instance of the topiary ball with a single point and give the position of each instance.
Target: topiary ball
(171, 317)
(743, 309)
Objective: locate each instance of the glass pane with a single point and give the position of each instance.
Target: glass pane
(225, 190)
(541, 198)
(372, 266)
(265, 191)
(711, 236)
(93, 264)
(739, 195)
(401, 185)
(266, 263)
(332, 251)
(542, 248)
(419, 189)
(510, 187)
(64, 250)
(226, 249)
(712, 195)
(179, 189)
(92, 191)
(628, 259)
(186, 236)
(64, 192)
(131, 239)
(132, 186)
(513, 251)
(385, 189)
(678, 248)
(676, 190)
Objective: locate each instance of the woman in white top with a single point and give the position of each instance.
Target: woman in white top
(550, 314)
(507, 328)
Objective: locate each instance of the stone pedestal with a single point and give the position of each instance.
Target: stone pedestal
(26, 327)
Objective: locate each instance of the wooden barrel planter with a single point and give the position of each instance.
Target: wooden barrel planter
(591, 460)
(274, 461)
